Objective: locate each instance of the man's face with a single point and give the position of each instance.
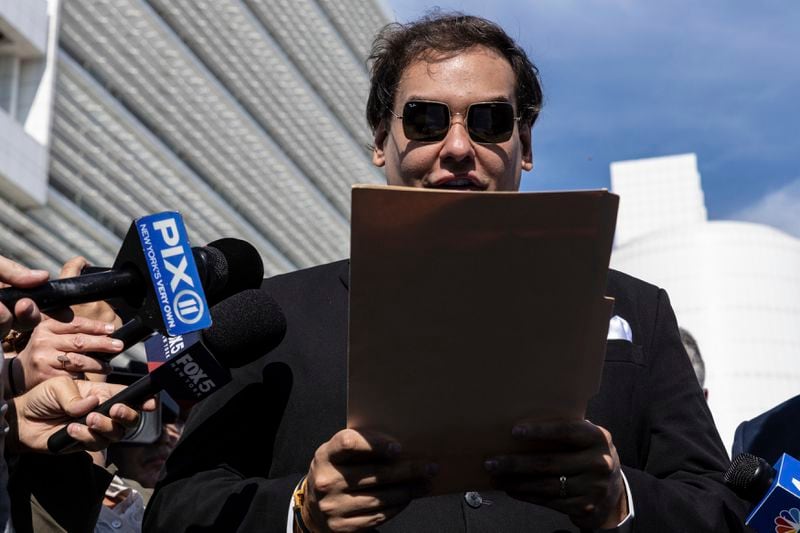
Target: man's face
(457, 161)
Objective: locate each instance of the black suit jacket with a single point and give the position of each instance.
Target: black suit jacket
(246, 447)
(771, 434)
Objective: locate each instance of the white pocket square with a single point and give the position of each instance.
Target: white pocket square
(619, 329)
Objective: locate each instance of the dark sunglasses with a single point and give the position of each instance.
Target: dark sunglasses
(486, 122)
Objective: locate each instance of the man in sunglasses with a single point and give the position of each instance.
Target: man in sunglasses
(452, 103)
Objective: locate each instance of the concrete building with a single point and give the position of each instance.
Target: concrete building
(244, 115)
(735, 286)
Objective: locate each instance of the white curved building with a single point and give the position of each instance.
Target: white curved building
(734, 285)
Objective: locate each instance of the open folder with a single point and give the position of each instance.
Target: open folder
(471, 311)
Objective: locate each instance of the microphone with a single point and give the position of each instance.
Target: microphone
(226, 267)
(245, 326)
(154, 276)
(774, 491)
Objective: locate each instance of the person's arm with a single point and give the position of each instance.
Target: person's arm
(221, 476)
(680, 487)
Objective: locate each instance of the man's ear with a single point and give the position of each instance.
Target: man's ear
(526, 146)
(378, 156)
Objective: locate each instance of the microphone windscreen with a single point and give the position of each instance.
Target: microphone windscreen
(245, 326)
(243, 268)
(749, 476)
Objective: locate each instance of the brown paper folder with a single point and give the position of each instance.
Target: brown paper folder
(471, 311)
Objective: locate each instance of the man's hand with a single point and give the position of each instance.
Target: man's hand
(356, 481)
(98, 310)
(592, 493)
(25, 313)
(56, 349)
(43, 410)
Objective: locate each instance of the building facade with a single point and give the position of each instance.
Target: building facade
(247, 116)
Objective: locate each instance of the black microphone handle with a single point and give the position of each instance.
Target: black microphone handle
(61, 293)
(131, 332)
(133, 396)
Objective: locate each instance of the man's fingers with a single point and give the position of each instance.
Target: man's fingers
(6, 319)
(550, 487)
(350, 445)
(368, 502)
(73, 267)
(551, 464)
(79, 363)
(362, 476)
(365, 521)
(124, 415)
(26, 314)
(90, 439)
(17, 275)
(68, 397)
(80, 325)
(559, 434)
(87, 343)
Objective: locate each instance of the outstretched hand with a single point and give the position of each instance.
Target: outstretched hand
(57, 348)
(43, 410)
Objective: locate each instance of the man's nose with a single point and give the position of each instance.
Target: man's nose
(457, 144)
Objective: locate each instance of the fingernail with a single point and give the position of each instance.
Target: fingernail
(393, 449)
(491, 465)
(519, 431)
(116, 343)
(40, 272)
(109, 328)
(25, 306)
(431, 469)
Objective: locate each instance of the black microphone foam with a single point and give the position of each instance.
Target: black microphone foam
(238, 263)
(245, 326)
(749, 476)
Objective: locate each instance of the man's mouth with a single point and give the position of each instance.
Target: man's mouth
(458, 183)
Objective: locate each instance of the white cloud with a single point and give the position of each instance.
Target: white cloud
(779, 209)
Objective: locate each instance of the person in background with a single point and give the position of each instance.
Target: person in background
(693, 351)
(770, 434)
(137, 467)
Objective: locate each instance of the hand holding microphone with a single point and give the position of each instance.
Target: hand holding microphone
(21, 312)
(245, 326)
(37, 414)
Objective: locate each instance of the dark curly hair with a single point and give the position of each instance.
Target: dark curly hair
(398, 45)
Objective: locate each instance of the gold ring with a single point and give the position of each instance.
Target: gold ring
(63, 359)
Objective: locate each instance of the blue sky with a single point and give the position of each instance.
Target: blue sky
(627, 79)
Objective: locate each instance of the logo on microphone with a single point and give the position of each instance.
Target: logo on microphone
(189, 306)
(173, 272)
(788, 521)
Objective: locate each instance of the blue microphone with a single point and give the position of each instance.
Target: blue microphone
(774, 490)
